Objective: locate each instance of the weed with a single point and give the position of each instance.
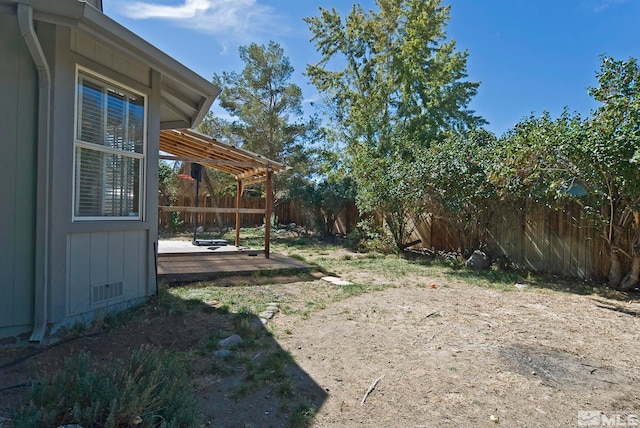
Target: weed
(242, 323)
(270, 370)
(302, 416)
(211, 342)
(285, 389)
(115, 319)
(220, 367)
(78, 329)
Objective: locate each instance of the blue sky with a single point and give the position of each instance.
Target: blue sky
(529, 55)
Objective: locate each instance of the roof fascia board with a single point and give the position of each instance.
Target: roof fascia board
(74, 13)
(173, 124)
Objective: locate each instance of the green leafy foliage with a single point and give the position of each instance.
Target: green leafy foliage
(457, 176)
(325, 200)
(393, 85)
(263, 103)
(588, 162)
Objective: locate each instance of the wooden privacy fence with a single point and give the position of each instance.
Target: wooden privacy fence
(286, 212)
(562, 242)
(217, 219)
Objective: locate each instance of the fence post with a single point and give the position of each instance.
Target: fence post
(240, 189)
(267, 213)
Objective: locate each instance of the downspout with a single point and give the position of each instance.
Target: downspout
(25, 22)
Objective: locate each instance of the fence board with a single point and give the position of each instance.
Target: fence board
(562, 242)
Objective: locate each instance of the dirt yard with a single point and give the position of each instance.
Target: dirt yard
(453, 354)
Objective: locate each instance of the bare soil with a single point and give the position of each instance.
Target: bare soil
(453, 355)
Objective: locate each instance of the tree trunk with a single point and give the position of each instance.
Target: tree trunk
(615, 270)
(633, 277)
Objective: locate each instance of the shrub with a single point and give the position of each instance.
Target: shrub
(151, 389)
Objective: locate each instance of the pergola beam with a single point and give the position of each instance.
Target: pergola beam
(248, 168)
(212, 162)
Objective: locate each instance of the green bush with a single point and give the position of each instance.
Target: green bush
(151, 389)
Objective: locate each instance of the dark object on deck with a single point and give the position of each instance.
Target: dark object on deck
(210, 242)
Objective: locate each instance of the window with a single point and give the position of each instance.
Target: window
(109, 150)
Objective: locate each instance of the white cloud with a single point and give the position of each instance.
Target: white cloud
(142, 10)
(601, 5)
(232, 20)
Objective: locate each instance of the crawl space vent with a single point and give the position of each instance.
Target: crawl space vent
(104, 292)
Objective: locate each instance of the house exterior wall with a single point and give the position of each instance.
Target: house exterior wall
(18, 111)
(104, 264)
(96, 265)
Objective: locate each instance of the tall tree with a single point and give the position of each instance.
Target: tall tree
(263, 102)
(393, 84)
(613, 140)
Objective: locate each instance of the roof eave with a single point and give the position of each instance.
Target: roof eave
(79, 14)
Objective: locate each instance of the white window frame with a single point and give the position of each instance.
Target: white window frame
(84, 73)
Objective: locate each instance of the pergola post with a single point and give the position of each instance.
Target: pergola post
(267, 213)
(240, 189)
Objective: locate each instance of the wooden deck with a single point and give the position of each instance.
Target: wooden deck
(180, 261)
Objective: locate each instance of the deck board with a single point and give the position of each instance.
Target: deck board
(186, 263)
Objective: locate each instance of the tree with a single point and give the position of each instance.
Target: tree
(540, 159)
(398, 86)
(168, 191)
(613, 140)
(263, 102)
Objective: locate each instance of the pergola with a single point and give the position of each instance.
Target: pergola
(249, 168)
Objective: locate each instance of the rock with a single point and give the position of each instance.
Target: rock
(273, 309)
(230, 342)
(266, 315)
(478, 260)
(335, 281)
(521, 286)
(223, 353)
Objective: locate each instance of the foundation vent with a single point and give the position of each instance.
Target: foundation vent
(105, 292)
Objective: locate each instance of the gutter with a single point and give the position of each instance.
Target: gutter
(25, 22)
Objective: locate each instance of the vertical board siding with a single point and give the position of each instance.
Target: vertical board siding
(99, 258)
(18, 106)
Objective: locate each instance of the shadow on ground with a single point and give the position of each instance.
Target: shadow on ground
(256, 384)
